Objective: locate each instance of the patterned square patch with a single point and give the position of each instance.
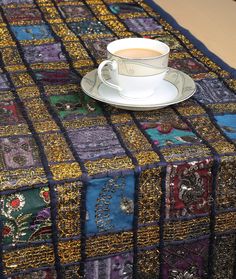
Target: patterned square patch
(125, 8)
(22, 14)
(227, 123)
(170, 40)
(98, 47)
(59, 77)
(26, 216)
(44, 53)
(93, 143)
(70, 106)
(168, 131)
(213, 91)
(8, 2)
(187, 260)
(142, 24)
(32, 32)
(188, 65)
(109, 204)
(89, 27)
(189, 190)
(80, 11)
(19, 152)
(116, 267)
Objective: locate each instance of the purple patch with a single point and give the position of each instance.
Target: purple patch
(44, 53)
(92, 143)
(142, 24)
(118, 267)
(187, 260)
(98, 47)
(188, 65)
(25, 14)
(213, 91)
(19, 152)
(8, 2)
(75, 11)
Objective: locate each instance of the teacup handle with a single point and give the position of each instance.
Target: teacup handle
(114, 68)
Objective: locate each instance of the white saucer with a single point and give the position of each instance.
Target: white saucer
(175, 88)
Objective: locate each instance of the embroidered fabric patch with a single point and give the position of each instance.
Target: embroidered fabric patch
(24, 223)
(110, 204)
(227, 123)
(31, 32)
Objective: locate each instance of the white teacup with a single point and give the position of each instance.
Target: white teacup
(137, 66)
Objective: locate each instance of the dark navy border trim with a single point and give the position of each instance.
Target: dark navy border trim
(197, 43)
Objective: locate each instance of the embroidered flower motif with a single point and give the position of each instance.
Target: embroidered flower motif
(186, 274)
(45, 195)
(8, 230)
(15, 202)
(191, 188)
(127, 205)
(165, 128)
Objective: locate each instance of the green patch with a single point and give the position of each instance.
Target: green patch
(26, 216)
(75, 105)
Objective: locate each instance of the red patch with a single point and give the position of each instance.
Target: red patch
(190, 189)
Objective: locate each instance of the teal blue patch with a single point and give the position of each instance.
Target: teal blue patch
(175, 136)
(32, 32)
(110, 204)
(123, 8)
(227, 123)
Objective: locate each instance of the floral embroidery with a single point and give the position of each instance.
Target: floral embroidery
(45, 195)
(8, 229)
(186, 274)
(15, 202)
(15, 226)
(127, 205)
(22, 223)
(191, 187)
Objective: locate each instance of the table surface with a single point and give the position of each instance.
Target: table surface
(92, 191)
(212, 22)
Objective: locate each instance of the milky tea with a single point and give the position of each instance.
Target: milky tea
(138, 53)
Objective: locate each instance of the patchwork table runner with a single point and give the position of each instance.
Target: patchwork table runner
(91, 191)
